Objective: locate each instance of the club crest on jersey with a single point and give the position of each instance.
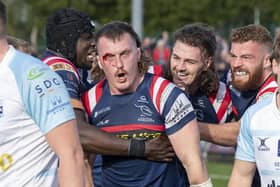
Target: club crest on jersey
(263, 146)
(145, 112)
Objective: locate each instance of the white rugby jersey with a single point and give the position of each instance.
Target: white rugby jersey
(33, 101)
(259, 139)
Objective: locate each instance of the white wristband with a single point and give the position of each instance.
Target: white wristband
(208, 183)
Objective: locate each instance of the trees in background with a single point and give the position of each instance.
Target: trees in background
(27, 17)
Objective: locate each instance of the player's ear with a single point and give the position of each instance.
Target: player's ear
(267, 61)
(138, 53)
(99, 62)
(208, 63)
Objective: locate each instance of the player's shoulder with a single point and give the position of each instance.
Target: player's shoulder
(261, 105)
(27, 67)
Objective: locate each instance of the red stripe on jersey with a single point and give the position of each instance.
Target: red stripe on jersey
(55, 59)
(224, 106)
(212, 98)
(99, 90)
(161, 88)
(152, 86)
(85, 100)
(132, 127)
(270, 89)
(234, 110)
(268, 81)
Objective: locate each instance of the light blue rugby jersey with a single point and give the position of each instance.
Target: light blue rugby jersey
(259, 139)
(33, 101)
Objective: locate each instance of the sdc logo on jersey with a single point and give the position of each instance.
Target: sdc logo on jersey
(46, 85)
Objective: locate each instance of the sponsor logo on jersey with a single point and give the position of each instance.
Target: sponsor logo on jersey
(57, 105)
(179, 111)
(62, 66)
(1, 110)
(6, 162)
(36, 72)
(273, 184)
(101, 111)
(277, 165)
(47, 86)
(102, 123)
(199, 114)
(278, 149)
(139, 135)
(263, 146)
(201, 103)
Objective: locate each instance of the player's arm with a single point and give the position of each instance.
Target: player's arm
(64, 140)
(223, 134)
(186, 145)
(242, 174)
(95, 140)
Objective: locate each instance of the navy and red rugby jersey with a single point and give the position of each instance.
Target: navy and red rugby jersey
(157, 107)
(73, 78)
(243, 100)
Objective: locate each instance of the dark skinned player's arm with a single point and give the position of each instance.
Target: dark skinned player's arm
(222, 134)
(97, 141)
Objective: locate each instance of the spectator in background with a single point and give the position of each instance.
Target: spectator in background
(38, 133)
(161, 53)
(20, 44)
(275, 58)
(165, 38)
(147, 46)
(222, 57)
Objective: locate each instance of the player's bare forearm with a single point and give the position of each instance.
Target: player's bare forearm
(65, 143)
(95, 140)
(222, 134)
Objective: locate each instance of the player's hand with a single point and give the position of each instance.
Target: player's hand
(159, 149)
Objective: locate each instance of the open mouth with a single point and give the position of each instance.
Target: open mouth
(240, 73)
(120, 75)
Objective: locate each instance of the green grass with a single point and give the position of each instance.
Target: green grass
(219, 169)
